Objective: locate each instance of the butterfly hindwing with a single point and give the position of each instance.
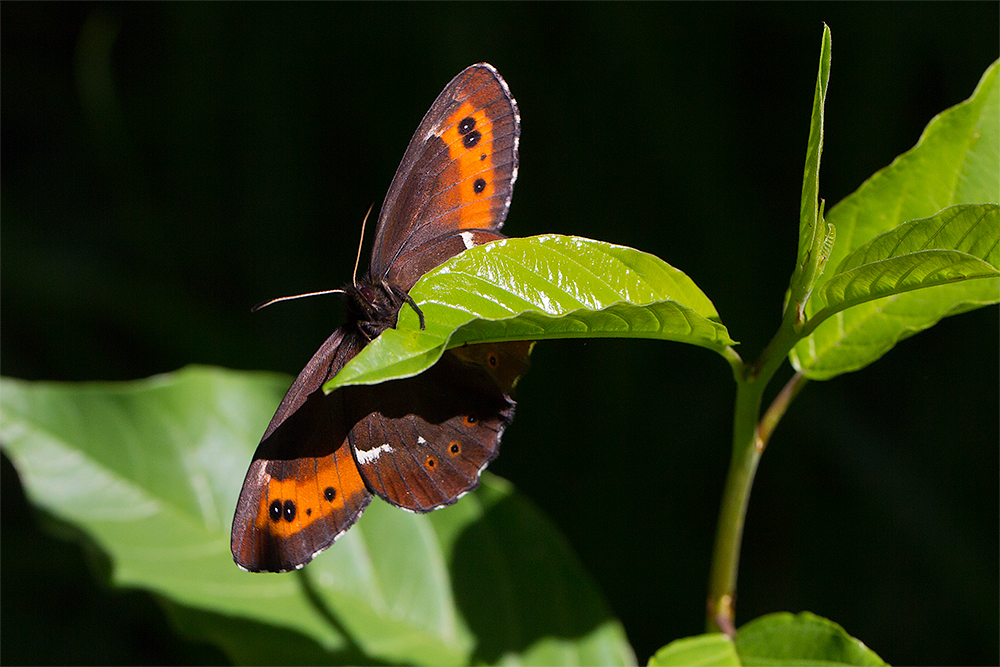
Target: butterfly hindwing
(422, 442)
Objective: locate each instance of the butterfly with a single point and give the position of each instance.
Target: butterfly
(419, 443)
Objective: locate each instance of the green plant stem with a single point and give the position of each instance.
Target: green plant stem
(736, 495)
(748, 445)
(778, 407)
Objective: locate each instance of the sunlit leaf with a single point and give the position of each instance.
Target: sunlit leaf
(800, 639)
(811, 230)
(714, 649)
(960, 243)
(542, 287)
(956, 161)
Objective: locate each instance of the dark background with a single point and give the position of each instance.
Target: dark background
(166, 166)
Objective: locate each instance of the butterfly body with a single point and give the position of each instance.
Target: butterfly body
(419, 443)
(373, 308)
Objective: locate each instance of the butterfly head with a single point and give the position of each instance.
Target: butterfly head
(372, 307)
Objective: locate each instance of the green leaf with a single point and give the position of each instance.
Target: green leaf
(802, 639)
(149, 472)
(812, 233)
(775, 639)
(956, 161)
(541, 287)
(960, 243)
(711, 649)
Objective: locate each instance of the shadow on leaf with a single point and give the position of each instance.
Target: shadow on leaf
(517, 583)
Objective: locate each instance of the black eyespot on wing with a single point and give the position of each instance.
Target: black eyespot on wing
(466, 125)
(289, 510)
(471, 139)
(274, 511)
(479, 185)
(329, 493)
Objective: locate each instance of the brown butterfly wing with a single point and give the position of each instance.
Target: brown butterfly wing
(458, 172)
(418, 261)
(303, 489)
(421, 443)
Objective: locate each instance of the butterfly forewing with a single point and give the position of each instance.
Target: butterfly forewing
(458, 172)
(421, 259)
(303, 489)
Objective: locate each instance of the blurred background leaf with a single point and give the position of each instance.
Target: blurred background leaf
(166, 166)
(146, 472)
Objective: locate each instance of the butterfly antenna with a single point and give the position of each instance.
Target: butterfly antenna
(354, 277)
(357, 261)
(295, 296)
